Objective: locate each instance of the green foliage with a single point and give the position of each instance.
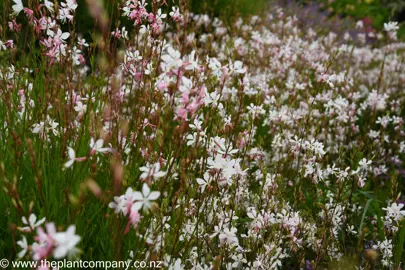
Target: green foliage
(378, 11)
(230, 9)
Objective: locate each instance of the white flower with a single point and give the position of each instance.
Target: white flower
(124, 33)
(215, 66)
(119, 204)
(359, 24)
(191, 138)
(361, 182)
(152, 171)
(42, 127)
(31, 222)
(255, 110)
(48, 5)
(391, 26)
(70, 5)
(350, 229)
(52, 127)
(2, 46)
(176, 265)
(394, 211)
(149, 68)
(62, 36)
(228, 236)
(385, 247)
(24, 245)
(82, 42)
(143, 29)
(197, 124)
(98, 146)
(64, 14)
(160, 16)
(66, 243)
(237, 67)
(192, 64)
(39, 128)
(143, 200)
(18, 7)
(204, 182)
(175, 12)
(172, 59)
(80, 108)
(72, 157)
(132, 56)
(364, 164)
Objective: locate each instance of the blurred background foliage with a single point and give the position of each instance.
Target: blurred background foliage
(376, 11)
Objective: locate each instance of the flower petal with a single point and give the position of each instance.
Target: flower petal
(137, 206)
(145, 190)
(153, 195)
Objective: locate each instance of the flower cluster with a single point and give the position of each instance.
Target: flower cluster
(133, 201)
(254, 143)
(48, 243)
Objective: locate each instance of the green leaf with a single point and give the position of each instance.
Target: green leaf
(380, 223)
(399, 247)
(364, 214)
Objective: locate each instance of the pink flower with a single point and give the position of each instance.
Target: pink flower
(162, 85)
(14, 26)
(28, 12)
(175, 14)
(45, 240)
(134, 217)
(10, 43)
(181, 113)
